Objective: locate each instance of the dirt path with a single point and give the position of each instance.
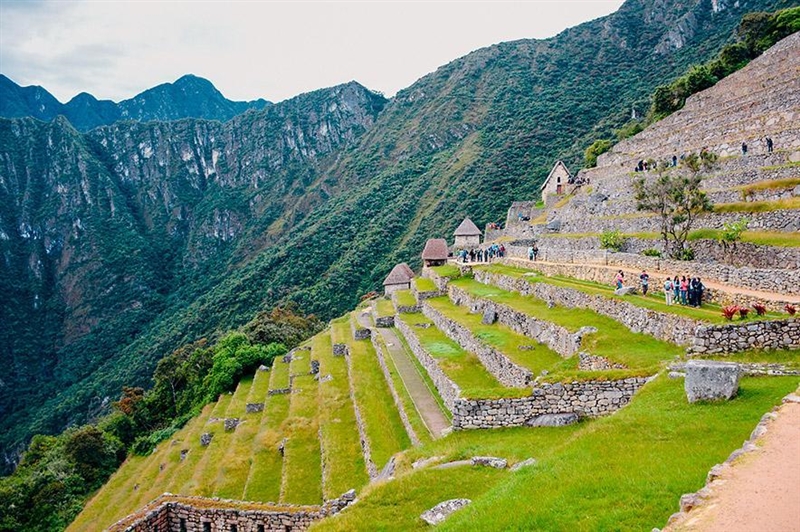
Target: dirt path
(761, 491)
(757, 294)
(421, 395)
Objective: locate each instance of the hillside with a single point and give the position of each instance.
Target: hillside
(199, 224)
(188, 97)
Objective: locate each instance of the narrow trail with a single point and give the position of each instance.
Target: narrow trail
(421, 395)
(728, 289)
(762, 490)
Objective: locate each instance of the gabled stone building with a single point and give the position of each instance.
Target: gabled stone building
(556, 182)
(435, 252)
(467, 235)
(398, 279)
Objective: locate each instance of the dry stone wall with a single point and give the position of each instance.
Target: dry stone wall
(773, 334)
(504, 370)
(557, 338)
(586, 399)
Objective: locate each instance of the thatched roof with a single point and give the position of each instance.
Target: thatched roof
(400, 274)
(467, 228)
(435, 249)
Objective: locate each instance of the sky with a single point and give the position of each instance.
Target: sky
(115, 49)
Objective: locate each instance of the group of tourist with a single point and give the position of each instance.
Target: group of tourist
(533, 252)
(482, 254)
(677, 290)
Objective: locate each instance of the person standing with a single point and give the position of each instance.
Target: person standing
(700, 288)
(619, 279)
(645, 280)
(530, 252)
(535, 251)
(668, 291)
(744, 148)
(676, 289)
(684, 290)
(769, 145)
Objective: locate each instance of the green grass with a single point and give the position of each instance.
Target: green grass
(405, 298)
(302, 460)
(264, 479)
(342, 458)
(448, 270)
(234, 469)
(709, 312)
(787, 357)
(501, 337)
(414, 418)
(384, 307)
(612, 340)
(762, 238)
(781, 166)
(423, 284)
(461, 366)
(626, 471)
(772, 184)
(384, 428)
(758, 206)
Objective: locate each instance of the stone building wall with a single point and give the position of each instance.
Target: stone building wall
(584, 398)
(467, 242)
(448, 390)
(171, 513)
(504, 370)
(557, 338)
(773, 334)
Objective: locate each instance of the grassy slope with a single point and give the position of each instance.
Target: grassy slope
(405, 298)
(343, 460)
(384, 307)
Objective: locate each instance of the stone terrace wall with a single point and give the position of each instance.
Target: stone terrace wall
(448, 390)
(775, 334)
(587, 399)
(504, 370)
(557, 338)
(169, 513)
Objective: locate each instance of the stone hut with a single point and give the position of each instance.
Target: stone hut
(435, 252)
(398, 279)
(467, 235)
(556, 183)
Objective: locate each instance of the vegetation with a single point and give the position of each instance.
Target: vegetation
(424, 284)
(678, 201)
(405, 298)
(758, 206)
(756, 33)
(591, 154)
(613, 240)
(748, 191)
(731, 234)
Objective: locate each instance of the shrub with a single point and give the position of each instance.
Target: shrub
(597, 148)
(730, 311)
(652, 252)
(612, 240)
(760, 308)
(743, 312)
(791, 309)
(685, 254)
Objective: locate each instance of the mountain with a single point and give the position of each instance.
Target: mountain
(123, 243)
(188, 97)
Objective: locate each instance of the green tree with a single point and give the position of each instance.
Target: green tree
(598, 147)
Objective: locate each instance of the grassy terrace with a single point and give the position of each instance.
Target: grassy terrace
(423, 284)
(758, 206)
(414, 418)
(612, 339)
(405, 298)
(448, 270)
(626, 471)
(264, 479)
(762, 238)
(384, 307)
(709, 313)
(302, 460)
(621, 472)
(235, 467)
(501, 337)
(342, 458)
(461, 366)
(384, 428)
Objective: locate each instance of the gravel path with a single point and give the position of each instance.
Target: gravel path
(761, 491)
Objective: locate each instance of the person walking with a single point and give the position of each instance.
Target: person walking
(668, 291)
(645, 280)
(619, 279)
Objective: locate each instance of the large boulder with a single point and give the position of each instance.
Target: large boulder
(442, 511)
(625, 290)
(710, 380)
(489, 316)
(553, 420)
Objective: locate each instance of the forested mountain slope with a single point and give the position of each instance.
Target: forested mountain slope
(174, 230)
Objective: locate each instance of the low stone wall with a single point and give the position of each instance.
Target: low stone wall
(171, 513)
(669, 327)
(438, 280)
(587, 399)
(448, 390)
(366, 448)
(773, 334)
(557, 338)
(397, 402)
(504, 370)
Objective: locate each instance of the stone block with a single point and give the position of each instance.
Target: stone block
(252, 408)
(205, 438)
(709, 380)
(231, 423)
(314, 367)
(340, 350)
(489, 316)
(489, 461)
(625, 291)
(442, 511)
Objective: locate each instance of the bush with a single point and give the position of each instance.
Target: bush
(686, 254)
(760, 308)
(612, 240)
(791, 309)
(597, 148)
(652, 252)
(730, 311)
(743, 312)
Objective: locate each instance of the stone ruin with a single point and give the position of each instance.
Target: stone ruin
(710, 380)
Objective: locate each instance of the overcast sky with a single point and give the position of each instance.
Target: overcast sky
(259, 49)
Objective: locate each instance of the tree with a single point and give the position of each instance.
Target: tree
(731, 234)
(678, 201)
